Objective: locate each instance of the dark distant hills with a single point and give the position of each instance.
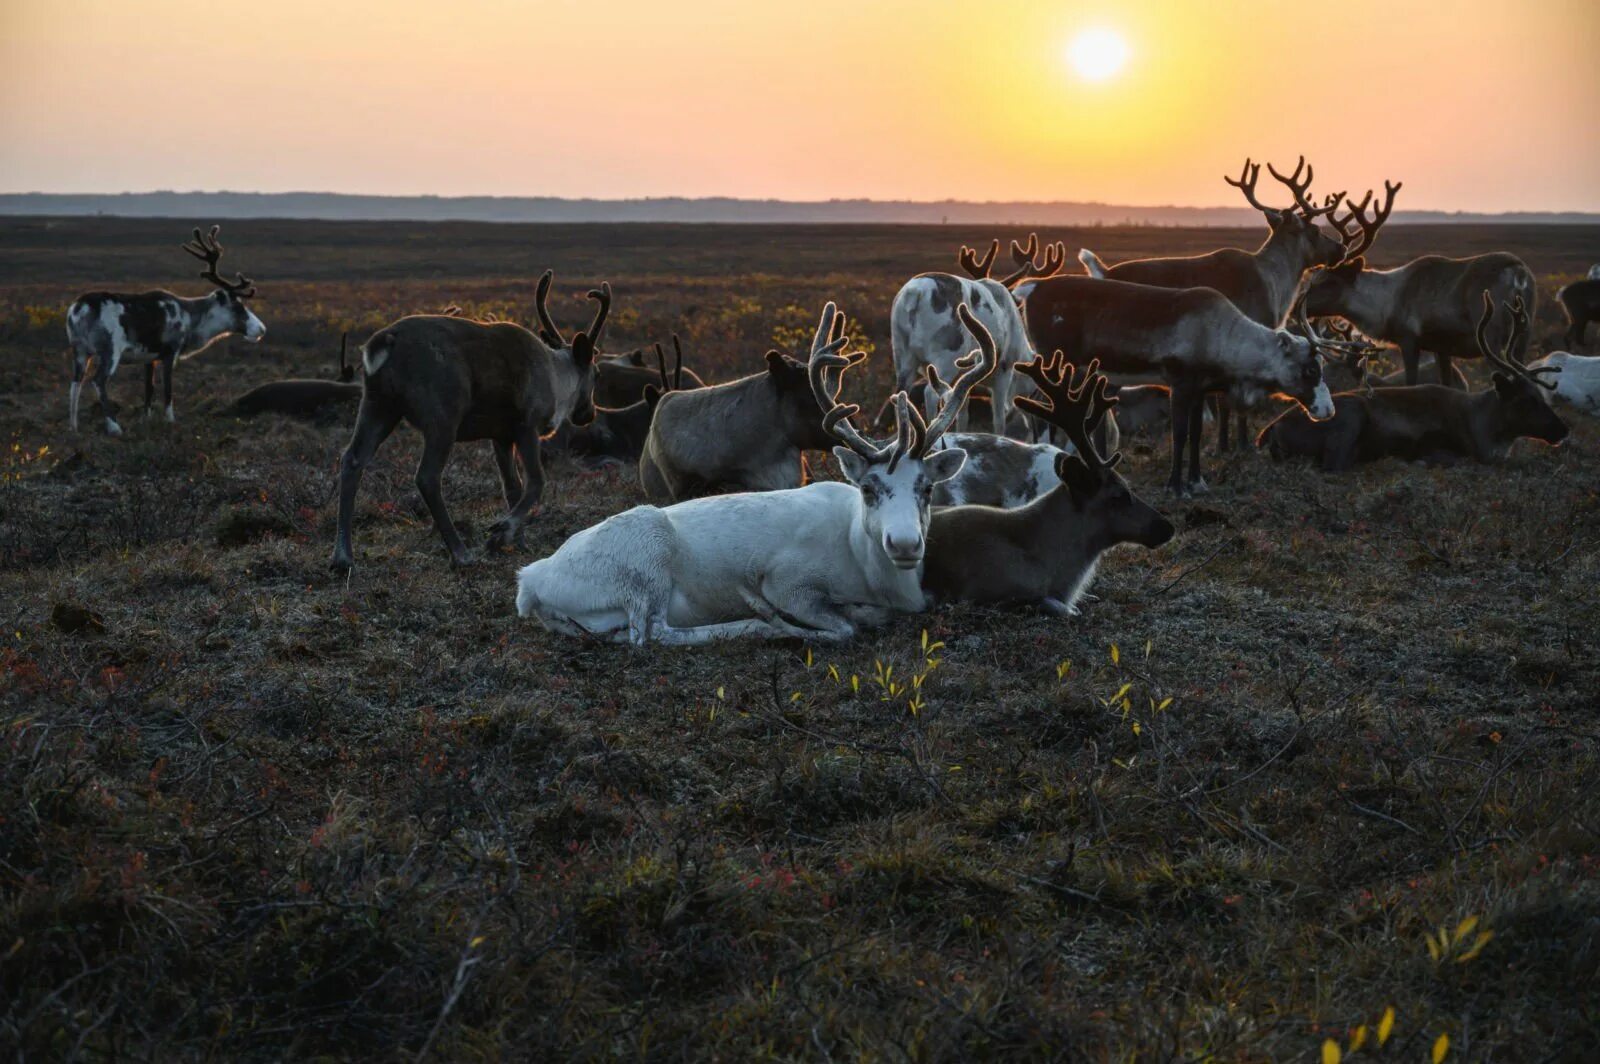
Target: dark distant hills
(340, 207)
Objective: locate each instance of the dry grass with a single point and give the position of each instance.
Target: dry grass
(251, 811)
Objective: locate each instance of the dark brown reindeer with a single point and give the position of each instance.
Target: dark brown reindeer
(618, 434)
(1045, 553)
(1431, 421)
(455, 379)
(742, 435)
(1261, 283)
(308, 399)
(1581, 301)
(1429, 304)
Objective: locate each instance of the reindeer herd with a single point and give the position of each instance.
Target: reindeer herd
(734, 543)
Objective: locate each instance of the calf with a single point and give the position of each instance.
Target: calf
(742, 435)
(1581, 301)
(455, 379)
(109, 328)
(1045, 553)
(1429, 421)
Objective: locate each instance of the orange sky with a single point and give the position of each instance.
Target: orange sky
(1475, 104)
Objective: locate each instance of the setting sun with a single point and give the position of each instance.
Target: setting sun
(1098, 54)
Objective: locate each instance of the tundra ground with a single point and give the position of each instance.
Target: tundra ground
(1330, 752)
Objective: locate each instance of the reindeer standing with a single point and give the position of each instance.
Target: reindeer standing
(924, 329)
(455, 379)
(1261, 283)
(109, 328)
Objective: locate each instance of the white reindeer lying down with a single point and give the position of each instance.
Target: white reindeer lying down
(1577, 379)
(816, 562)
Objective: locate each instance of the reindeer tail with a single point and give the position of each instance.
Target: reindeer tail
(1091, 263)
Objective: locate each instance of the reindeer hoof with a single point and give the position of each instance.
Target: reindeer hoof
(501, 536)
(1200, 487)
(464, 560)
(112, 428)
(340, 565)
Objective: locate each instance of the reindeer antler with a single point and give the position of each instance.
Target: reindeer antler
(1519, 328)
(1077, 411)
(1299, 188)
(1352, 353)
(547, 327)
(1025, 258)
(976, 268)
(1246, 183)
(676, 380)
(1356, 242)
(826, 345)
(975, 367)
(208, 250)
(602, 296)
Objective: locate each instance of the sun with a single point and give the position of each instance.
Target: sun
(1097, 54)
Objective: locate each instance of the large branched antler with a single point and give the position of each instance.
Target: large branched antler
(1025, 258)
(975, 367)
(1351, 352)
(547, 327)
(1358, 240)
(1077, 411)
(976, 268)
(826, 347)
(208, 250)
(1298, 186)
(602, 296)
(1519, 328)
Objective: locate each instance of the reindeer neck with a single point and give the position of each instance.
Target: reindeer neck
(203, 322)
(1371, 300)
(1281, 261)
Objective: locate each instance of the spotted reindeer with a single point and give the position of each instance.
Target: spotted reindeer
(109, 328)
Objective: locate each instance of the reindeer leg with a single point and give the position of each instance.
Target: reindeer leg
(430, 475)
(1180, 402)
(510, 480)
(1197, 483)
(79, 363)
(1447, 376)
(1244, 431)
(1410, 355)
(508, 529)
(372, 428)
(149, 386)
(1224, 421)
(168, 364)
(102, 388)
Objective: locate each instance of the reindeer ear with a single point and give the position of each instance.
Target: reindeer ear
(942, 465)
(852, 465)
(775, 363)
(636, 357)
(652, 395)
(1505, 384)
(1078, 477)
(582, 350)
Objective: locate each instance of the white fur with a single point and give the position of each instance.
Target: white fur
(915, 334)
(1578, 379)
(1594, 273)
(813, 562)
(1321, 407)
(1091, 263)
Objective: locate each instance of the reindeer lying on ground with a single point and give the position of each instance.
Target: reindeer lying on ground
(1429, 304)
(925, 331)
(742, 435)
(1430, 421)
(150, 327)
(1261, 283)
(1194, 338)
(1045, 553)
(301, 398)
(1581, 301)
(816, 562)
(1576, 377)
(455, 379)
(618, 435)
(619, 380)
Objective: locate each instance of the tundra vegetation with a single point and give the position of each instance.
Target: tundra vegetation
(1330, 752)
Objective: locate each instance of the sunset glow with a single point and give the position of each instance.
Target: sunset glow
(1134, 103)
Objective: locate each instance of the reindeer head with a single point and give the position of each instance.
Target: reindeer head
(1296, 224)
(1097, 490)
(895, 478)
(1523, 394)
(652, 392)
(578, 406)
(227, 313)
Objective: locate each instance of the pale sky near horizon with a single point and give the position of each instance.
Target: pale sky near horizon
(1475, 104)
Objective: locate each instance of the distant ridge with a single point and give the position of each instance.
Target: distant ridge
(341, 207)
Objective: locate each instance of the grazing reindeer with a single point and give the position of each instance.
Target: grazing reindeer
(1430, 420)
(1194, 338)
(151, 327)
(1263, 282)
(742, 435)
(925, 331)
(1581, 301)
(455, 379)
(1045, 553)
(1429, 304)
(619, 380)
(618, 434)
(816, 562)
(301, 398)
